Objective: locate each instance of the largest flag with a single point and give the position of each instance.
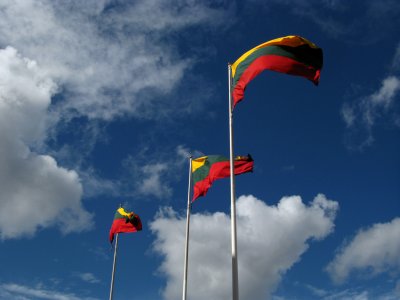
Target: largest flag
(207, 169)
(291, 54)
(124, 222)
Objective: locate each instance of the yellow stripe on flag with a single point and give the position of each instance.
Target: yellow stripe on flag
(198, 163)
(123, 212)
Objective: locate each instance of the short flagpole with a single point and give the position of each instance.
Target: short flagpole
(113, 269)
(235, 277)
(189, 204)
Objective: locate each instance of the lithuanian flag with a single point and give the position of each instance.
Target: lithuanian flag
(291, 54)
(125, 222)
(207, 169)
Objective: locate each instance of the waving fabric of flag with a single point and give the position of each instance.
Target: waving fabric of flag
(291, 54)
(125, 222)
(207, 169)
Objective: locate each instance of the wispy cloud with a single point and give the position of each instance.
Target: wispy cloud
(349, 294)
(316, 291)
(360, 293)
(153, 174)
(361, 115)
(263, 231)
(83, 46)
(374, 20)
(87, 277)
(396, 59)
(13, 291)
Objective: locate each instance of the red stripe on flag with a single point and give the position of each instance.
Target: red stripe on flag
(220, 170)
(121, 226)
(275, 63)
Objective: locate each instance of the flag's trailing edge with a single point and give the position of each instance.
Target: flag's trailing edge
(125, 222)
(291, 54)
(207, 169)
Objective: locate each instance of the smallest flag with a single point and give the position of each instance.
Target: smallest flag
(125, 222)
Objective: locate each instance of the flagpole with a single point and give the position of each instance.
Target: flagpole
(185, 270)
(113, 269)
(235, 280)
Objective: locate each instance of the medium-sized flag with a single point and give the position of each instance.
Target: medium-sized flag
(207, 169)
(291, 54)
(125, 222)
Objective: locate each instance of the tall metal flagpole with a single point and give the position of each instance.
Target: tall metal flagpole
(189, 205)
(114, 263)
(235, 280)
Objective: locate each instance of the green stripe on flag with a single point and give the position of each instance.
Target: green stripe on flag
(304, 54)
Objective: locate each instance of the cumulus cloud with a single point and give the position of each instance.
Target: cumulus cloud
(361, 116)
(32, 186)
(375, 249)
(270, 240)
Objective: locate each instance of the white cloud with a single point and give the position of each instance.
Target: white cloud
(103, 59)
(397, 288)
(94, 185)
(396, 59)
(34, 191)
(369, 292)
(385, 96)
(154, 178)
(107, 58)
(270, 240)
(349, 295)
(152, 184)
(13, 291)
(317, 291)
(348, 115)
(361, 116)
(360, 294)
(372, 20)
(88, 277)
(375, 249)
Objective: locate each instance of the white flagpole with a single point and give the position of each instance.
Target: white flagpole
(235, 279)
(189, 204)
(114, 263)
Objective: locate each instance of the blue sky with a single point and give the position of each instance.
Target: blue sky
(101, 102)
